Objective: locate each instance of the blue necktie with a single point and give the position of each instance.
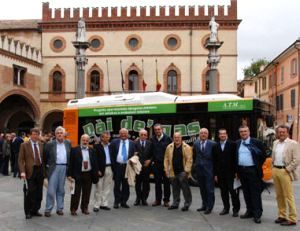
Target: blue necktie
(124, 152)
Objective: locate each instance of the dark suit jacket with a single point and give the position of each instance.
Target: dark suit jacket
(143, 153)
(16, 144)
(114, 150)
(26, 158)
(258, 158)
(204, 160)
(224, 160)
(50, 155)
(75, 167)
(101, 157)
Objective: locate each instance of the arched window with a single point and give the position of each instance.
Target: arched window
(57, 81)
(95, 81)
(133, 81)
(172, 82)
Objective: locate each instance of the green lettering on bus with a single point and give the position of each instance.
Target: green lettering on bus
(127, 123)
(100, 127)
(89, 129)
(193, 128)
(138, 125)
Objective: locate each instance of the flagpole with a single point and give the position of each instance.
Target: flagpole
(108, 82)
(143, 83)
(122, 78)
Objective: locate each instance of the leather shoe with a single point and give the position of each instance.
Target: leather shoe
(86, 212)
(246, 215)
(125, 206)
(144, 203)
(156, 203)
(207, 211)
(28, 216)
(166, 204)
(60, 213)
(137, 202)
(116, 206)
(280, 220)
(172, 207)
(257, 220)
(224, 212)
(73, 213)
(288, 223)
(104, 208)
(95, 210)
(201, 209)
(36, 214)
(184, 208)
(235, 214)
(47, 214)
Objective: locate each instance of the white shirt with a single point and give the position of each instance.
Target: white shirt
(279, 154)
(159, 138)
(120, 157)
(38, 148)
(85, 157)
(106, 150)
(61, 153)
(222, 143)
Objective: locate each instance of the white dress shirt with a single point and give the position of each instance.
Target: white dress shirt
(279, 154)
(120, 157)
(85, 157)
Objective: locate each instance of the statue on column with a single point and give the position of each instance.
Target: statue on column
(213, 26)
(81, 31)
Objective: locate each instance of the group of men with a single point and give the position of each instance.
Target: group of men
(170, 160)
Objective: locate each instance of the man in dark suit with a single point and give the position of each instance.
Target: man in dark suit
(250, 155)
(203, 154)
(121, 150)
(31, 170)
(84, 171)
(142, 185)
(103, 187)
(159, 143)
(6, 153)
(225, 172)
(15, 148)
(57, 160)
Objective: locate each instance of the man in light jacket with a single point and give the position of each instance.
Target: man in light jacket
(285, 159)
(178, 162)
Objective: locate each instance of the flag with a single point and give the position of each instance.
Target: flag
(158, 85)
(144, 83)
(122, 77)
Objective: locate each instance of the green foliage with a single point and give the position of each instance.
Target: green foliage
(254, 67)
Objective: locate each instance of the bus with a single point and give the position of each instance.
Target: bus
(184, 114)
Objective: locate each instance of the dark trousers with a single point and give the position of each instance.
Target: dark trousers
(161, 178)
(5, 165)
(83, 188)
(16, 165)
(251, 185)
(180, 182)
(226, 187)
(142, 185)
(34, 194)
(207, 188)
(121, 187)
(12, 162)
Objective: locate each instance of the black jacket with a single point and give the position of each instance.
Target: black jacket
(158, 148)
(101, 158)
(143, 153)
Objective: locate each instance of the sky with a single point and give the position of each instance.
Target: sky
(268, 26)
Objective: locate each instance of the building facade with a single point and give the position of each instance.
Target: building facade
(279, 84)
(148, 46)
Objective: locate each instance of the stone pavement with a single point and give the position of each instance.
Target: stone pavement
(135, 218)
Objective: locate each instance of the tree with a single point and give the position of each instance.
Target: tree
(254, 67)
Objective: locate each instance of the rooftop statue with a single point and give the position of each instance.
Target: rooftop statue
(213, 26)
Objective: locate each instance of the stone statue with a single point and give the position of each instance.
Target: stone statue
(81, 31)
(213, 26)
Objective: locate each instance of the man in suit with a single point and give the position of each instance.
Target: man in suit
(103, 187)
(121, 150)
(285, 159)
(84, 171)
(250, 156)
(31, 170)
(142, 185)
(57, 160)
(159, 143)
(225, 172)
(15, 148)
(203, 154)
(6, 153)
(178, 163)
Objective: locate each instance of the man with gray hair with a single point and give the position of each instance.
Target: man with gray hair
(57, 159)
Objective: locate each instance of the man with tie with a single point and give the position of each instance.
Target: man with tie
(203, 154)
(121, 150)
(31, 170)
(225, 172)
(57, 159)
(84, 171)
(142, 185)
(250, 156)
(103, 187)
(285, 159)
(159, 143)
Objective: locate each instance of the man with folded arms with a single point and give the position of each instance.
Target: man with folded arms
(31, 169)
(286, 159)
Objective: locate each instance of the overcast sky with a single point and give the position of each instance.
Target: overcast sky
(267, 28)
